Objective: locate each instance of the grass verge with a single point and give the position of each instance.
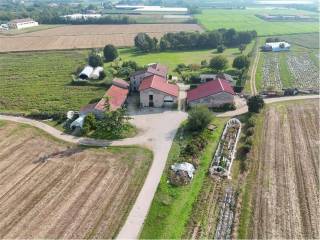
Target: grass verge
(172, 206)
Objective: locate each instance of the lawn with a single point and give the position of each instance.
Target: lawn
(40, 81)
(173, 58)
(172, 206)
(246, 20)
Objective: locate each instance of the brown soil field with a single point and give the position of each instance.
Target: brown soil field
(286, 194)
(50, 189)
(86, 36)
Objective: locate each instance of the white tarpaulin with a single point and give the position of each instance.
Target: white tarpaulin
(187, 167)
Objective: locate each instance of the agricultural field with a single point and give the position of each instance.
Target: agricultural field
(308, 40)
(86, 36)
(285, 194)
(40, 81)
(51, 189)
(297, 68)
(243, 20)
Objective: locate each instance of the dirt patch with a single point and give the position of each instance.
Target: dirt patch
(86, 36)
(54, 190)
(286, 197)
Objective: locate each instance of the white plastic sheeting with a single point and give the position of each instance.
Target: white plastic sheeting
(187, 167)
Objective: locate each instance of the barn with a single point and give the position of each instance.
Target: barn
(22, 23)
(155, 91)
(215, 93)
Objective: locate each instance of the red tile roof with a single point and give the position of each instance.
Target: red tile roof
(209, 88)
(117, 97)
(159, 83)
(120, 83)
(158, 69)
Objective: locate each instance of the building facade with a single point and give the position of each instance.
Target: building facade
(22, 23)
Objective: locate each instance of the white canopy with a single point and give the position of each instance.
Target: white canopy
(185, 166)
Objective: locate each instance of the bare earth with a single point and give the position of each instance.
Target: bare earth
(54, 190)
(286, 199)
(86, 36)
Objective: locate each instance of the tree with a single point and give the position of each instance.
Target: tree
(130, 64)
(110, 53)
(220, 48)
(242, 47)
(199, 118)
(145, 43)
(94, 60)
(219, 63)
(90, 123)
(241, 62)
(255, 103)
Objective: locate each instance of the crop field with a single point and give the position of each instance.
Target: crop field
(286, 190)
(243, 20)
(54, 190)
(86, 36)
(294, 69)
(41, 82)
(308, 40)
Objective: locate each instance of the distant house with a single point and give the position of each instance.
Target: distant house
(276, 47)
(22, 23)
(209, 77)
(117, 95)
(155, 91)
(152, 69)
(214, 93)
(90, 73)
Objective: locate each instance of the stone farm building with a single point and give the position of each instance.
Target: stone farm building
(153, 69)
(155, 91)
(22, 23)
(214, 93)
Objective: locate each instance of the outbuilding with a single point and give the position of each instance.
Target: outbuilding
(22, 23)
(155, 91)
(276, 47)
(215, 93)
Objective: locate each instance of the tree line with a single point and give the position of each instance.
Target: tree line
(194, 40)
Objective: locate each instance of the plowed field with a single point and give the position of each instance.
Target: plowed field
(86, 36)
(49, 189)
(286, 198)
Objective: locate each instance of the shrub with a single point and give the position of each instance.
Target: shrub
(94, 60)
(90, 123)
(110, 53)
(241, 62)
(219, 63)
(220, 49)
(255, 103)
(250, 131)
(102, 75)
(199, 118)
(249, 140)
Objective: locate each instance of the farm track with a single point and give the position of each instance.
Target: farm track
(86, 36)
(74, 192)
(253, 73)
(287, 192)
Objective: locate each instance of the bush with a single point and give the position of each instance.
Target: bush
(94, 60)
(219, 63)
(220, 49)
(225, 107)
(241, 62)
(90, 123)
(102, 75)
(199, 118)
(249, 140)
(255, 104)
(110, 53)
(250, 131)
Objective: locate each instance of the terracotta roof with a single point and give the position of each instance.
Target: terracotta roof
(117, 97)
(159, 83)
(209, 88)
(158, 69)
(120, 83)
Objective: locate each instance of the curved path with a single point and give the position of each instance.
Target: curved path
(158, 130)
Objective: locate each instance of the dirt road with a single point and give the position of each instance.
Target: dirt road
(286, 198)
(253, 73)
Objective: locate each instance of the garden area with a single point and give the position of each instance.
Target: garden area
(173, 202)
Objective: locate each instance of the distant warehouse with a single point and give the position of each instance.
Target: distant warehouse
(149, 9)
(22, 23)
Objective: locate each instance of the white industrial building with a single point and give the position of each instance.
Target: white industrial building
(139, 8)
(22, 23)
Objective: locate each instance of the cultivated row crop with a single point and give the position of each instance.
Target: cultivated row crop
(271, 72)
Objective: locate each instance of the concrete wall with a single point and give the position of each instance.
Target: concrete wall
(158, 98)
(216, 100)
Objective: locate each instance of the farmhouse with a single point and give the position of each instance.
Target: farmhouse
(153, 69)
(212, 94)
(22, 23)
(117, 95)
(276, 47)
(155, 91)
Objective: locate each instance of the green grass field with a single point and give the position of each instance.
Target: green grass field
(246, 20)
(41, 81)
(172, 59)
(172, 206)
